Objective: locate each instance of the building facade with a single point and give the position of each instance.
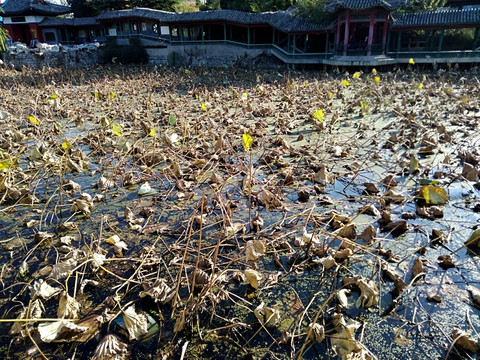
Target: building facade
(361, 32)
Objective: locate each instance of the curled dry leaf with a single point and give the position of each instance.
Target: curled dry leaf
(82, 206)
(43, 290)
(104, 183)
(267, 316)
(68, 307)
(135, 323)
(63, 269)
(475, 292)
(315, 333)
(59, 331)
(465, 341)
(348, 231)
(179, 322)
(369, 235)
(327, 262)
(159, 291)
(418, 268)
(36, 312)
(111, 348)
(253, 277)
(255, 249)
(257, 223)
(342, 297)
(322, 176)
(270, 200)
(368, 293)
(469, 172)
(119, 245)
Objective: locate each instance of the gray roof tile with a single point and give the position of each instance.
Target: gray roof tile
(70, 22)
(335, 5)
(440, 18)
(31, 7)
(281, 20)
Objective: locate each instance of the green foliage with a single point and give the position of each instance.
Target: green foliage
(83, 8)
(423, 5)
(250, 5)
(211, 5)
(186, 6)
(3, 38)
(313, 10)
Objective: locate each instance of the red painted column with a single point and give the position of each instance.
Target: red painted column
(347, 33)
(11, 31)
(370, 33)
(36, 32)
(384, 37)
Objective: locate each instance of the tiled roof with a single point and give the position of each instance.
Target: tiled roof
(335, 5)
(438, 18)
(32, 7)
(77, 22)
(281, 20)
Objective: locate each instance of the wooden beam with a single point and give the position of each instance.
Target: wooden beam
(370, 33)
(347, 33)
(440, 41)
(385, 34)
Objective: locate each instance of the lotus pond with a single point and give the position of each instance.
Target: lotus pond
(157, 213)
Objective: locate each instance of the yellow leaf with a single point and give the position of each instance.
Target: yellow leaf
(345, 82)
(33, 120)
(377, 79)
(374, 71)
(204, 107)
(411, 61)
(152, 132)
(433, 195)
(247, 141)
(330, 95)
(5, 164)
(66, 145)
(53, 97)
(112, 95)
(319, 114)
(117, 130)
(420, 86)
(357, 75)
(244, 96)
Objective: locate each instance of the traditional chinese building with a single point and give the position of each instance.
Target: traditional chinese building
(360, 32)
(22, 18)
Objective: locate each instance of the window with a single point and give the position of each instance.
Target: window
(50, 37)
(18, 19)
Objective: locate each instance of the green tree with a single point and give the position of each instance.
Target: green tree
(255, 5)
(313, 10)
(83, 8)
(424, 5)
(211, 5)
(3, 36)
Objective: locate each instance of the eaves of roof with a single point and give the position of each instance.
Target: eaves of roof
(33, 7)
(69, 22)
(439, 18)
(335, 5)
(280, 20)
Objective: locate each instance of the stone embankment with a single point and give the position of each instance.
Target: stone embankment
(42, 55)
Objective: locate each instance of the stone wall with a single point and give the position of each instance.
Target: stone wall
(44, 55)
